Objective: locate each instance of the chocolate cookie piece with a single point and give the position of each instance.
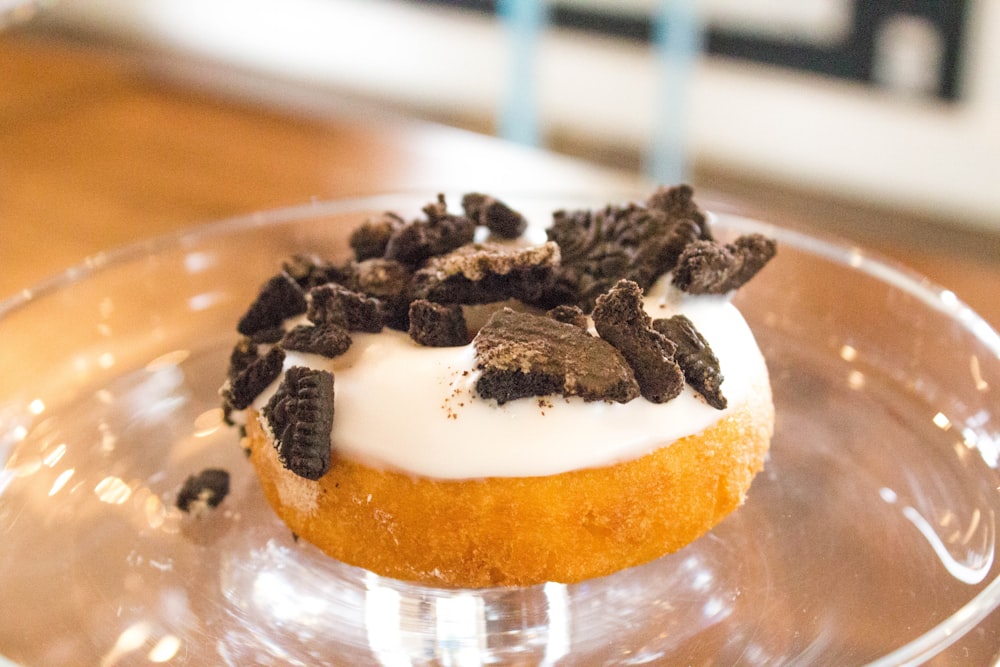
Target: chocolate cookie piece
(485, 273)
(493, 214)
(370, 239)
(328, 340)
(300, 415)
(441, 232)
(279, 298)
(245, 352)
(599, 248)
(354, 311)
(203, 491)
(308, 271)
(268, 336)
(569, 315)
(521, 355)
(677, 201)
(709, 267)
(248, 383)
(437, 324)
(620, 319)
(695, 357)
(388, 281)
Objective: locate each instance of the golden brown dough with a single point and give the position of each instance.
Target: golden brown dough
(523, 530)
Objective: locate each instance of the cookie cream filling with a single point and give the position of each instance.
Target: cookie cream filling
(403, 406)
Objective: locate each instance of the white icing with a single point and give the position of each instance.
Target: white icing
(411, 408)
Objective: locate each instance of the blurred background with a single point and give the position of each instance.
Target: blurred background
(876, 119)
(896, 102)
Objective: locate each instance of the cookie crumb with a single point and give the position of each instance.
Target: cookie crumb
(709, 267)
(328, 340)
(300, 415)
(520, 354)
(249, 382)
(620, 319)
(370, 239)
(335, 304)
(493, 214)
(279, 299)
(203, 492)
(437, 324)
(695, 357)
(440, 233)
(569, 315)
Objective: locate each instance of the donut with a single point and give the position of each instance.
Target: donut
(466, 413)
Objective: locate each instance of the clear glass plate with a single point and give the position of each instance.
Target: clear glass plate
(869, 538)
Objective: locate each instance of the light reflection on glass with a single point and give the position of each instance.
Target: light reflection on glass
(61, 480)
(208, 422)
(195, 262)
(174, 358)
(108, 437)
(154, 510)
(856, 380)
(55, 455)
(382, 619)
(559, 622)
(36, 407)
(106, 360)
(977, 374)
(941, 421)
(112, 490)
(106, 307)
(29, 466)
(848, 353)
(165, 649)
(131, 638)
(457, 620)
(205, 300)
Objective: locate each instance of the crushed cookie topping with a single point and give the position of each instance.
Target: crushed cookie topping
(621, 320)
(300, 415)
(279, 299)
(355, 311)
(493, 214)
(709, 267)
(520, 354)
(695, 357)
(248, 383)
(325, 339)
(437, 324)
(415, 276)
(203, 491)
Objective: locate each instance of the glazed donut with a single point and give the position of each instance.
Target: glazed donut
(404, 418)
